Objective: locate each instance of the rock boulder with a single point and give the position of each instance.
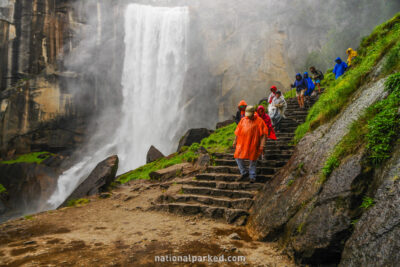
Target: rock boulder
(153, 154)
(98, 180)
(193, 136)
(172, 171)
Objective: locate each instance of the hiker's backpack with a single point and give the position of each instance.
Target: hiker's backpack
(321, 75)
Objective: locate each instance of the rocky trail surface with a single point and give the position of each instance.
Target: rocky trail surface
(123, 230)
(217, 194)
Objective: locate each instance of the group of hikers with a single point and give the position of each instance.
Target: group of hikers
(255, 125)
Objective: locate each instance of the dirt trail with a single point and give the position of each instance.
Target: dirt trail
(123, 231)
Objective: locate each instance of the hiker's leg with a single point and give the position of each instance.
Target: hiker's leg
(242, 169)
(252, 169)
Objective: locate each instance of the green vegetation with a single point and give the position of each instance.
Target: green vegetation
(28, 217)
(2, 189)
(384, 128)
(77, 202)
(290, 94)
(221, 140)
(384, 40)
(378, 128)
(35, 157)
(218, 142)
(367, 202)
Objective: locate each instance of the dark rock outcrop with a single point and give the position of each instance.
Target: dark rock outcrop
(28, 185)
(97, 181)
(153, 154)
(193, 136)
(310, 217)
(224, 123)
(376, 237)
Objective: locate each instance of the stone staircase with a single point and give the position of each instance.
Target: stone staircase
(216, 193)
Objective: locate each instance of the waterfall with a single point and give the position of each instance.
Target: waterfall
(155, 65)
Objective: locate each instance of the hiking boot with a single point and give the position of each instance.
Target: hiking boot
(252, 180)
(242, 177)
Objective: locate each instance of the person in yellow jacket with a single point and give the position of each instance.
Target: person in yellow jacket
(352, 54)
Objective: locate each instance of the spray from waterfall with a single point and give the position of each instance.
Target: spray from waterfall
(154, 71)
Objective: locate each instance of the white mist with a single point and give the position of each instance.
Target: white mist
(154, 70)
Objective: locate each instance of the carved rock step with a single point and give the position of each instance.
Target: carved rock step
(229, 177)
(264, 163)
(225, 185)
(239, 203)
(218, 192)
(235, 170)
(230, 215)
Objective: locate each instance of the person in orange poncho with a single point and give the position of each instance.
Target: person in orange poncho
(241, 110)
(251, 133)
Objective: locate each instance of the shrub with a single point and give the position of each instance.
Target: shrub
(2, 189)
(367, 202)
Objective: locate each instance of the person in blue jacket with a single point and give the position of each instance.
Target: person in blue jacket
(310, 84)
(340, 67)
(301, 86)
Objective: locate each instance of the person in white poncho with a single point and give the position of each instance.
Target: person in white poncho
(278, 108)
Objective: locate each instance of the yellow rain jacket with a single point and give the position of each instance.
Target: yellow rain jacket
(352, 54)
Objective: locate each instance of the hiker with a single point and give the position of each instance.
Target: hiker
(351, 54)
(267, 120)
(317, 76)
(249, 142)
(340, 67)
(301, 86)
(241, 111)
(280, 103)
(310, 86)
(271, 96)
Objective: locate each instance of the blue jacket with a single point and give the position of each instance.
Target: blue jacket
(300, 84)
(310, 84)
(340, 68)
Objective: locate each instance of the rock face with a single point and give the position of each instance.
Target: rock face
(193, 136)
(310, 217)
(224, 123)
(376, 237)
(153, 154)
(28, 185)
(98, 180)
(38, 108)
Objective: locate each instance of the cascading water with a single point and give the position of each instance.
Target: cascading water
(154, 71)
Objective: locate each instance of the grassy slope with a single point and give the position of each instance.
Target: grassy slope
(385, 40)
(378, 128)
(35, 157)
(220, 141)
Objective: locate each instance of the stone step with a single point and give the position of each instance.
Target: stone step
(235, 170)
(228, 177)
(265, 163)
(225, 185)
(218, 192)
(230, 215)
(239, 203)
(268, 156)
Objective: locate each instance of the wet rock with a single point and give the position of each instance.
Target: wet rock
(193, 136)
(234, 236)
(28, 185)
(376, 237)
(172, 171)
(98, 180)
(153, 154)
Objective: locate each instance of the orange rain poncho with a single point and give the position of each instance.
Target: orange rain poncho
(249, 133)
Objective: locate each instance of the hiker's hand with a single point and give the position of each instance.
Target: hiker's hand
(234, 144)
